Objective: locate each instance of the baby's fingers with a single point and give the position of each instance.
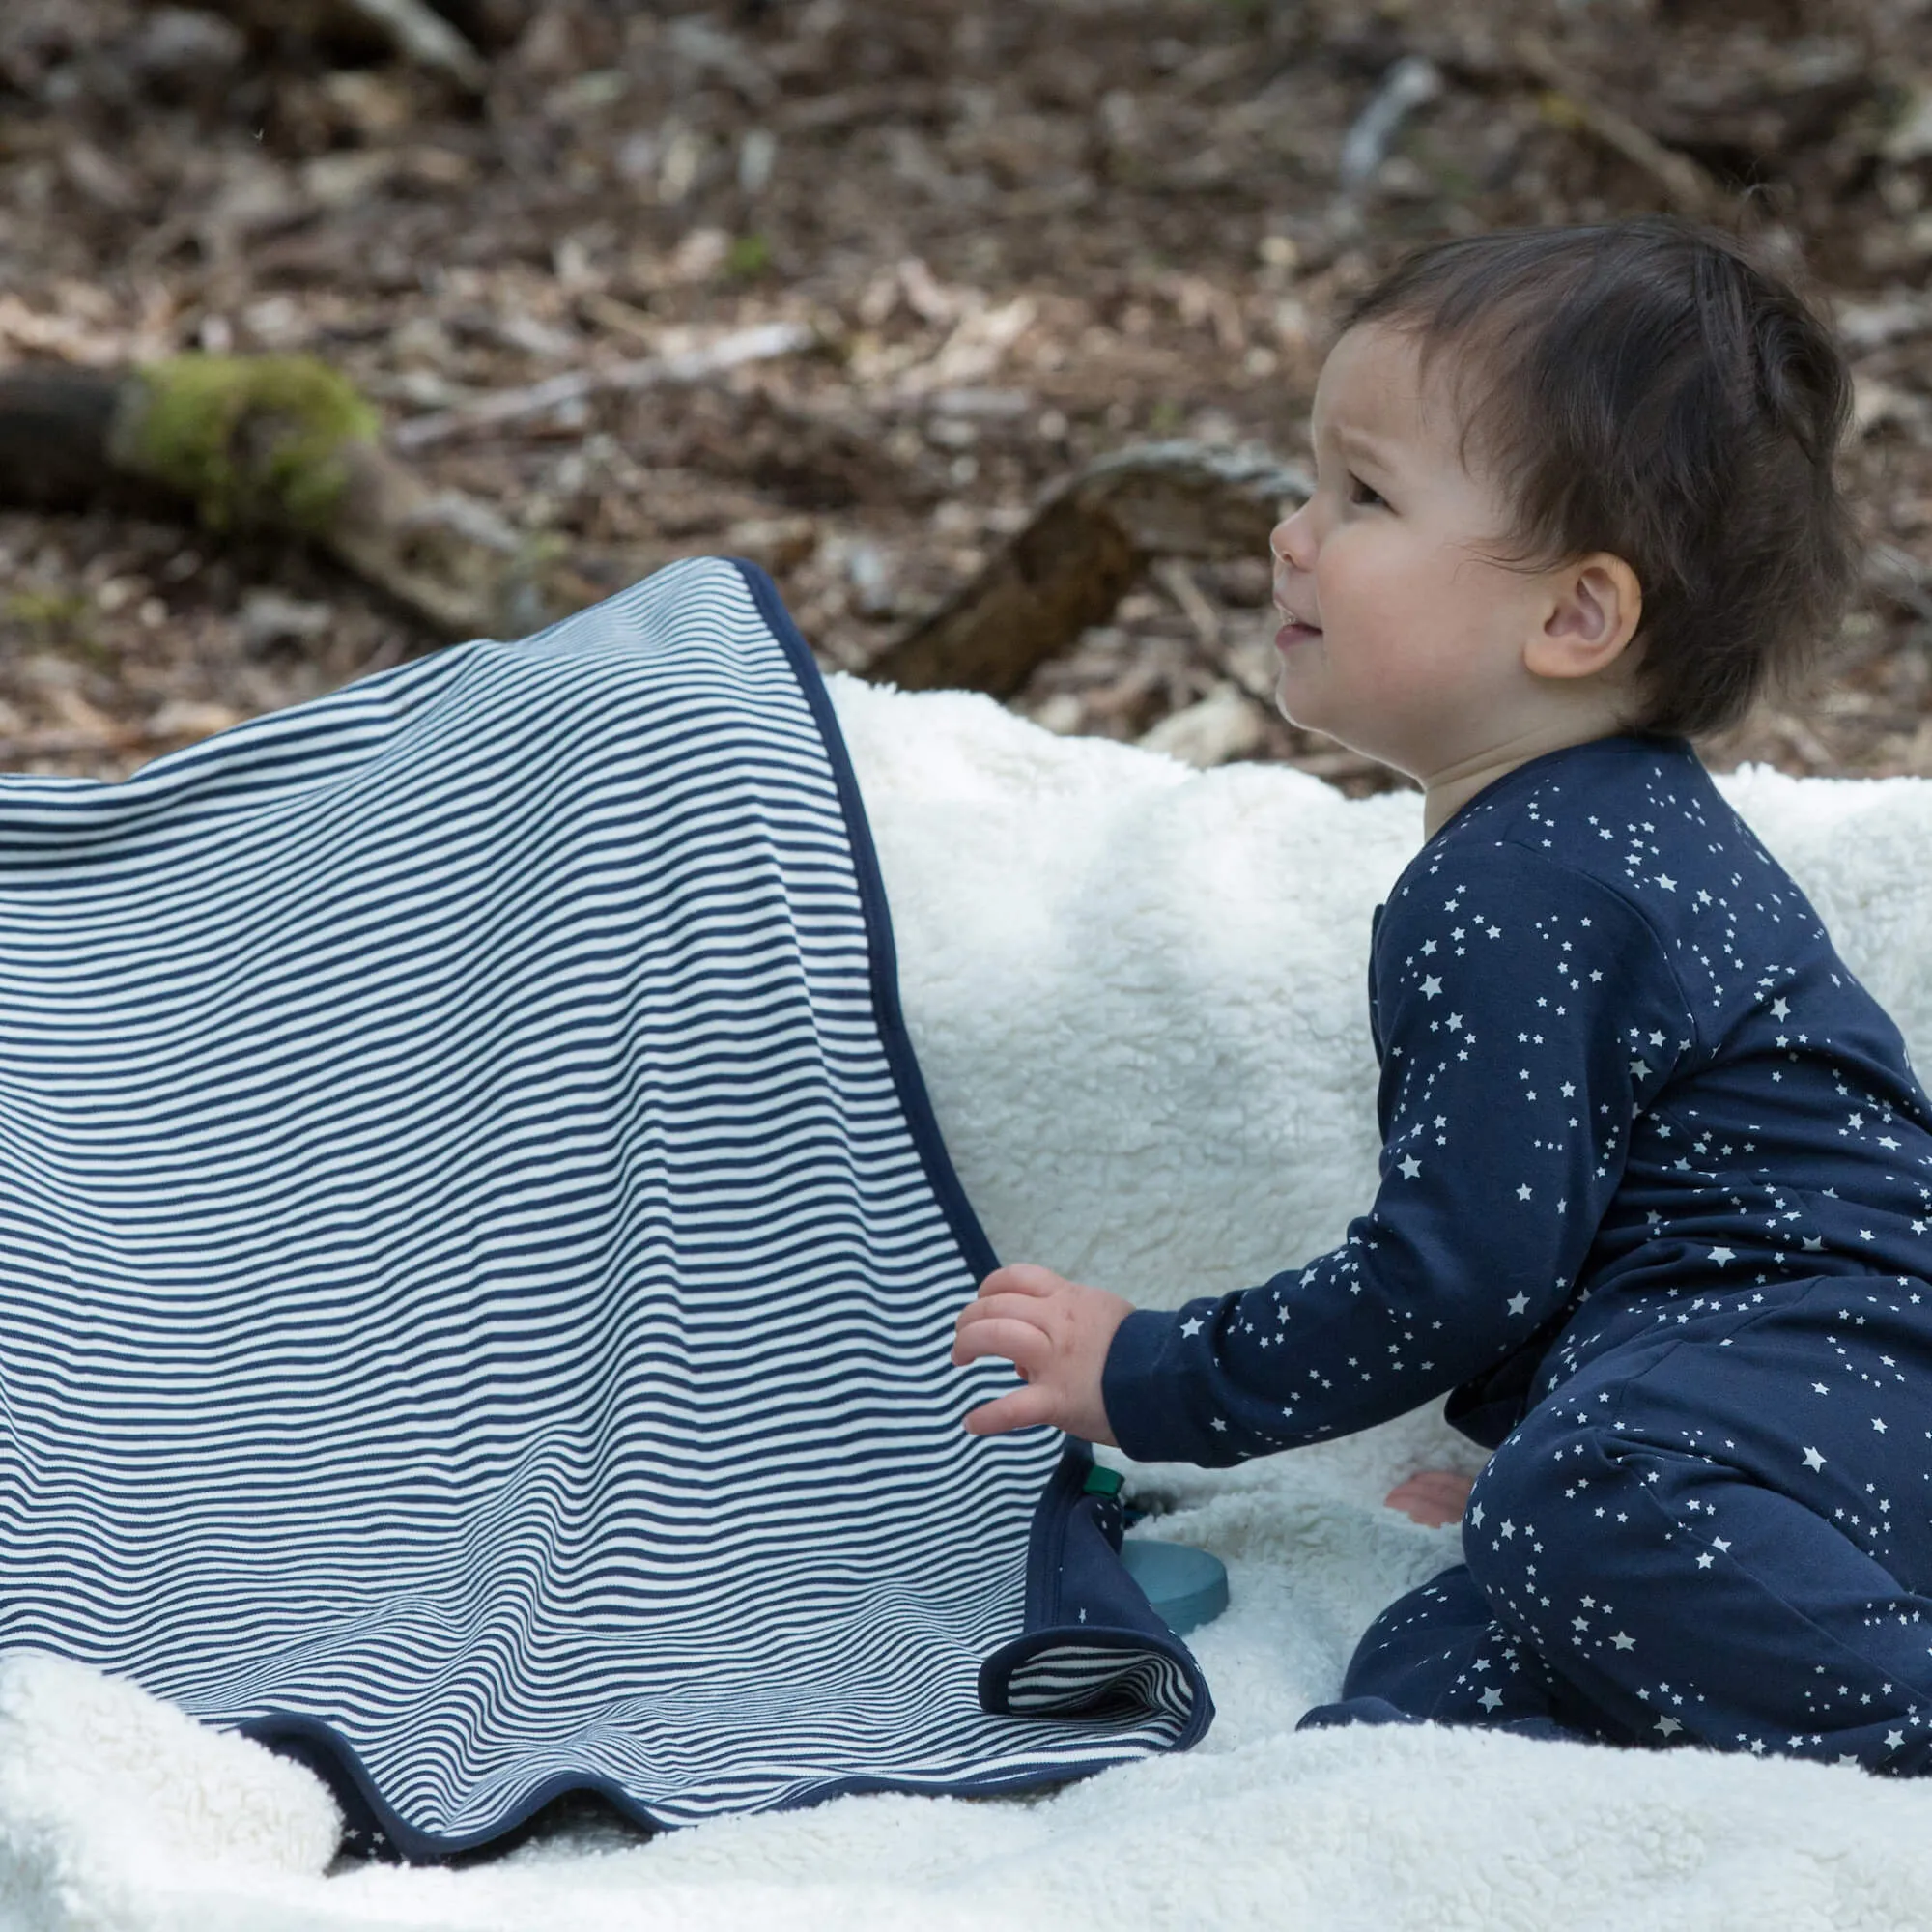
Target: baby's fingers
(1021, 1278)
(1024, 1409)
(1026, 1309)
(1019, 1342)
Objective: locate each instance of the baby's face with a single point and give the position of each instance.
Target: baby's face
(1404, 637)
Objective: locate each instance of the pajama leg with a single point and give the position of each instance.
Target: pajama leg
(1724, 1536)
(1440, 1653)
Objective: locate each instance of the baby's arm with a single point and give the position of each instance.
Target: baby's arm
(1525, 1012)
(1057, 1333)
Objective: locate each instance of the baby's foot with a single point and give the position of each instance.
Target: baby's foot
(1432, 1497)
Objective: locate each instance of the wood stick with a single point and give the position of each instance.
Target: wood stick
(1177, 581)
(1690, 190)
(410, 28)
(426, 38)
(759, 344)
(1082, 549)
(1898, 575)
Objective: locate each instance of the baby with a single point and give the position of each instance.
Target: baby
(1656, 1198)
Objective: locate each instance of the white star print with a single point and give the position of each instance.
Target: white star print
(1192, 1326)
(1723, 1255)
(1491, 1698)
(1812, 1460)
(1411, 1167)
(1430, 987)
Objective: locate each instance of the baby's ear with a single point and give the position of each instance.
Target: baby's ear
(1592, 612)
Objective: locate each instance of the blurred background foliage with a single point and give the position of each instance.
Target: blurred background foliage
(1008, 237)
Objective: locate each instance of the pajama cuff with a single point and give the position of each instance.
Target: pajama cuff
(1144, 1389)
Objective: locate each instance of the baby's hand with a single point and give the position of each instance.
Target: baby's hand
(1057, 1334)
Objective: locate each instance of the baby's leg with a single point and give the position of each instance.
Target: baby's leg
(1717, 1533)
(1440, 1654)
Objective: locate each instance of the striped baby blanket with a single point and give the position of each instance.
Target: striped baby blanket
(477, 1265)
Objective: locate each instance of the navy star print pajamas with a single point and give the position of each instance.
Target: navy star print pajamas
(1655, 1207)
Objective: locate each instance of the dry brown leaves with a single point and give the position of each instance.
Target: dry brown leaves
(1018, 236)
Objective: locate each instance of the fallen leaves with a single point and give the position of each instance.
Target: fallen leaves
(1019, 238)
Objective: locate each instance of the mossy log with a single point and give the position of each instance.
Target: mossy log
(286, 444)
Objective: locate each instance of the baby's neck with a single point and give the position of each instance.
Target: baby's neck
(1447, 791)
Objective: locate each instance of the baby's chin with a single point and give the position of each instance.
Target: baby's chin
(1304, 717)
(1293, 707)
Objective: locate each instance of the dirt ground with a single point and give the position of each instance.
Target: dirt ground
(1021, 234)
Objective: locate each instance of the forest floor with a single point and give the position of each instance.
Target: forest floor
(1021, 234)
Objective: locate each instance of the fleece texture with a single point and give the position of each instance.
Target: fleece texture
(1138, 997)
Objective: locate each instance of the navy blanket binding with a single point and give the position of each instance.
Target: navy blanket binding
(477, 1264)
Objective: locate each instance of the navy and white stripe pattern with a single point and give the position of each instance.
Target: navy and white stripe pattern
(477, 1270)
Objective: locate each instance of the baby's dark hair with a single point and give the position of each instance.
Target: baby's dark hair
(1647, 389)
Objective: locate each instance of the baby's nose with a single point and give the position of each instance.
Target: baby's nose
(1291, 540)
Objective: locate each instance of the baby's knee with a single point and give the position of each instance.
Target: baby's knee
(1531, 1517)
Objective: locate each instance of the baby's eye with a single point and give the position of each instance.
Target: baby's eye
(1364, 496)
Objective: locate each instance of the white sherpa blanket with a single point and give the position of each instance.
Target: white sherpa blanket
(1137, 997)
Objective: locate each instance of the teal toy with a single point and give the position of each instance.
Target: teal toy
(1187, 1587)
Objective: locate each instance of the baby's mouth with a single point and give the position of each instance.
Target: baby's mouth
(1294, 630)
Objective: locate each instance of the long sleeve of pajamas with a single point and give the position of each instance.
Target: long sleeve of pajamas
(1522, 1013)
